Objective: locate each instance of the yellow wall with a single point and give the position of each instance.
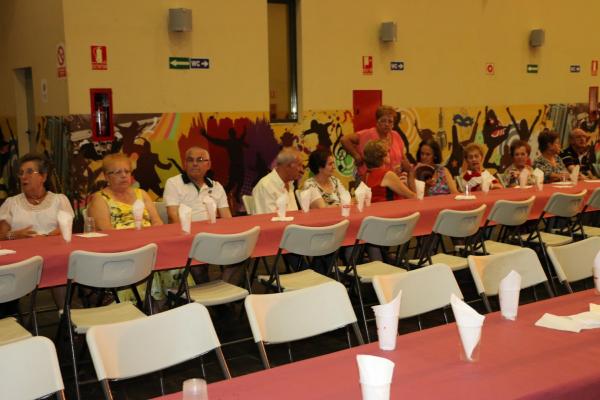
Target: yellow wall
(231, 33)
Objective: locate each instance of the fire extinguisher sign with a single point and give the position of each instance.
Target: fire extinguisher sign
(367, 65)
(99, 60)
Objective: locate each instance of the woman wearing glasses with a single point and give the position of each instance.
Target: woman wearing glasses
(112, 207)
(32, 212)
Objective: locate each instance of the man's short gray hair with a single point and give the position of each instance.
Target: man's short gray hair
(187, 152)
(286, 156)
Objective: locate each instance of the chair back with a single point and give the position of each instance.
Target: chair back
(574, 261)
(387, 231)
(249, 204)
(488, 271)
(564, 204)
(224, 249)
(20, 278)
(511, 213)
(423, 290)
(298, 314)
(142, 346)
(161, 208)
(29, 369)
(459, 224)
(314, 241)
(594, 200)
(111, 270)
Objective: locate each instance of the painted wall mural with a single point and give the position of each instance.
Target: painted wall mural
(244, 145)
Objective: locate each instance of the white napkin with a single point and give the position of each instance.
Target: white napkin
(375, 376)
(552, 321)
(469, 324)
(306, 197)
(138, 213)
(509, 290)
(282, 219)
(211, 209)
(524, 178)
(90, 235)
(282, 203)
(4, 252)
(361, 195)
(575, 174)
(464, 197)
(420, 187)
(589, 319)
(391, 308)
(486, 181)
(185, 218)
(595, 307)
(65, 224)
(538, 176)
(596, 271)
(345, 201)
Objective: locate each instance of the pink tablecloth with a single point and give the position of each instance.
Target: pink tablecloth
(518, 361)
(174, 246)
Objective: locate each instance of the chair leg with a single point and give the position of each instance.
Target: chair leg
(549, 289)
(290, 356)
(61, 395)
(547, 262)
(356, 330)
(222, 363)
(362, 305)
(419, 322)
(263, 355)
(106, 389)
(33, 313)
(568, 286)
(161, 381)
(486, 302)
(73, 359)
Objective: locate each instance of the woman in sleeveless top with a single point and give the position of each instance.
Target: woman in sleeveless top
(429, 153)
(384, 183)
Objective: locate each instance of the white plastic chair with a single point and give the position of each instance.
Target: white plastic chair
(29, 370)
(286, 317)
(455, 224)
(161, 208)
(376, 231)
(16, 281)
(249, 204)
(510, 217)
(423, 290)
(223, 250)
(307, 241)
(575, 261)
(593, 202)
(488, 271)
(142, 346)
(106, 271)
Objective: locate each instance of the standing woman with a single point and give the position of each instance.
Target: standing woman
(320, 163)
(549, 160)
(429, 153)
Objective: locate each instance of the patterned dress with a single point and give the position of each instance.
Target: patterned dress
(330, 199)
(440, 186)
(549, 169)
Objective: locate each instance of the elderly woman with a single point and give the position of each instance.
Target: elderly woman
(320, 163)
(472, 177)
(384, 183)
(519, 153)
(440, 182)
(549, 160)
(354, 143)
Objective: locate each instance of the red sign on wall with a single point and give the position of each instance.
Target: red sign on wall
(594, 67)
(99, 58)
(367, 65)
(61, 61)
(490, 69)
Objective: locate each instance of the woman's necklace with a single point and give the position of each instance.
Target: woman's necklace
(36, 200)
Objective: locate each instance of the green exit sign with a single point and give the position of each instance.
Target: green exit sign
(179, 63)
(532, 68)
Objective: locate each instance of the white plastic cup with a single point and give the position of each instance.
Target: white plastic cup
(509, 303)
(89, 225)
(475, 353)
(138, 224)
(387, 331)
(195, 389)
(345, 210)
(375, 392)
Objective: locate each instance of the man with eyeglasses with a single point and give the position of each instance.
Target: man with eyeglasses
(193, 186)
(355, 142)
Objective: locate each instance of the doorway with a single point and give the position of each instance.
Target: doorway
(25, 110)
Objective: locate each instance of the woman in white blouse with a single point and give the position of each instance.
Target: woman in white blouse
(320, 163)
(34, 211)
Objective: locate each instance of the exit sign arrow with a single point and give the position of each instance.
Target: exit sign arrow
(179, 63)
(532, 68)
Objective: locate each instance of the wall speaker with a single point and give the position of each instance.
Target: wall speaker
(536, 37)
(387, 32)
(180, 20)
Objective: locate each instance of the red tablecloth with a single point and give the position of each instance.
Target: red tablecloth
(174, 245)
(518, 361)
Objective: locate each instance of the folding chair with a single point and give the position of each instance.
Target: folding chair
(509, 217)
(16, 281)
(376, 231)
(575, 261)
(299, 314)
(143, 346)
(593, 202)
(488, 271)
(423, 290)
(307, 241)
(106, 271)
(29, 370)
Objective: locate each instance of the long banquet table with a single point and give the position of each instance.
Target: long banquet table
(517, 361)
(174, 245)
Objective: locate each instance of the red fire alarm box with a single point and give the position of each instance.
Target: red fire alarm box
(101, 118)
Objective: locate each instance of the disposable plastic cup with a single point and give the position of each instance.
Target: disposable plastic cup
(195, 389)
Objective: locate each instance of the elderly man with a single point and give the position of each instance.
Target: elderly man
(193, 186)
(288, 168)
(579, 153)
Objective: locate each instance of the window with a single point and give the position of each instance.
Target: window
(283, 93)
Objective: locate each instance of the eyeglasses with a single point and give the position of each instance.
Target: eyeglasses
(119, 172)
(28, 171)
(385, 121)
(191, 160)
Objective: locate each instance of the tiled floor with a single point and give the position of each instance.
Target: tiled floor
(242, 358)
